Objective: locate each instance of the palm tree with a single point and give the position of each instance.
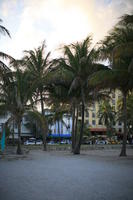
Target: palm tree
(37, 122)
(59, 80)
(117, 48)
(129, 111)
(3, 55)
(3, 30)
(106, 116)
(58, 102)
(15, 97)
(78, 64)
(36, 64)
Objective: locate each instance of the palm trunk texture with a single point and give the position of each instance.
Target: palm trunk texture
(76, 125)
(78, 143)
(19, 150)
(73, 127)
(123, 150)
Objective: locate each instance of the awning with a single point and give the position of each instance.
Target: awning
(59, 135)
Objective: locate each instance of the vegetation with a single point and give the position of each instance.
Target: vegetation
(70, 83)
(106, 116)
(117, 48)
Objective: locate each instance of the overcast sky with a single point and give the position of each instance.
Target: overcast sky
(57, 21)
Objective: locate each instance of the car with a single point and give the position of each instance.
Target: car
(63, 142)
(66, 141)
(100, 142)
(29, 142)
(39, 142)
(33, 141)
(51, 142)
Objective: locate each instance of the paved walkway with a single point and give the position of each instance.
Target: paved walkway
(93, 175)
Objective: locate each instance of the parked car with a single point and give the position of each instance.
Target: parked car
(29, 142)
(33, 141)
(66, 141)
(51, 142)
(63, 142)
(39, 142)
(101, 142)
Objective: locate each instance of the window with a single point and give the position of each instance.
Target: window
(15, 125)
(119, 124)
(113, 102)
(93, 115)
(113, 95)
(87, 122)
(93, 122)
(87, 113)
(93, 106)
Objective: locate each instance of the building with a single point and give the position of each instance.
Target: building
(25, 132)
(92, 120)
(62, 128)
(58, 129)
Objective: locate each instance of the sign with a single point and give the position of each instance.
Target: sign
(2, 142)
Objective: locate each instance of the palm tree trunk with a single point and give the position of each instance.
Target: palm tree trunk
(13, 141)
(123, 150)
(19, 150)
(45, 131)
(76, 124)
(35, 132)
(43, 114)
(73, 127)
(78, 144)
(44, 142)
(42, 104)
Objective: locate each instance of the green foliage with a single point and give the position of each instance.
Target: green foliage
(106, 115)
(120, 114)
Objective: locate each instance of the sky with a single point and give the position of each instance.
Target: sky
(58, 22)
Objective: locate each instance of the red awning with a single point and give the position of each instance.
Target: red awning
(98, 129)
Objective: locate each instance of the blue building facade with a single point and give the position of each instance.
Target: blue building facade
(62, 128)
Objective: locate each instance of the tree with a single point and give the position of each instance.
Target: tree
(36, 63)
(15, 97)
(106, 116)
(117, 48)
(129, 111)
(3, 66)
(38, 122)
(78, 64)
(3, 30)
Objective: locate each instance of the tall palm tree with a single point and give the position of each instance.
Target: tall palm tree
(117, 47)
(36, 64)
(3, 66)
(129, 111)
(59, 81)
(78, 64)
(4, 30)
(15, 97)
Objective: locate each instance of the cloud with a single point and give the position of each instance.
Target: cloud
(7, 8)
(63, 21)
